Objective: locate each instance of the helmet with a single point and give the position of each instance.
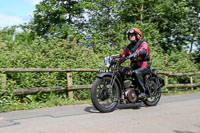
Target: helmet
(135, 31)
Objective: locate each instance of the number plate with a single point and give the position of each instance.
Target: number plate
(103, 70)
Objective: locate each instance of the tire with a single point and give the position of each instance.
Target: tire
(100, 95)
(156, 93)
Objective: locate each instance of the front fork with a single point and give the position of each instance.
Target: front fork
(113, 78)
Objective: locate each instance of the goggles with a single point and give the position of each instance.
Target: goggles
(132, 31)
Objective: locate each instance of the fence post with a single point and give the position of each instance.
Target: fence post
(191, 81)
(69, 83)
(166, 82)
(3, 81)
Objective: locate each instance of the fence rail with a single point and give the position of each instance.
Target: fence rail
(48, 70)
(177, 74)
(70, 88)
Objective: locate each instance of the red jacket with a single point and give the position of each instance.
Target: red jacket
(142, 49)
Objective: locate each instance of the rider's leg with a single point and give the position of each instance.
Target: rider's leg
(139, 73)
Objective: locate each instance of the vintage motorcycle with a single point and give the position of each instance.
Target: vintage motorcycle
(117, 85)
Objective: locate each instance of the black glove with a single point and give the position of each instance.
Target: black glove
(114, 61)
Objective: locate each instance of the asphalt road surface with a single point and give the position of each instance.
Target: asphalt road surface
(173, 114)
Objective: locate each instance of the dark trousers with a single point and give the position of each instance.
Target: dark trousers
(139, 74)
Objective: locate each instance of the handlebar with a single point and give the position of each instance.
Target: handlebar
(116, 56)
(128, 57)
(113, 58)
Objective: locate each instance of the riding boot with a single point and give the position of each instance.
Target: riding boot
(139, 78)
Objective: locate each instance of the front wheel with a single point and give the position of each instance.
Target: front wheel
(104, 99)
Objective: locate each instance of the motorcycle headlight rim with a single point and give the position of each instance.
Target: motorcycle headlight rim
(108, 60)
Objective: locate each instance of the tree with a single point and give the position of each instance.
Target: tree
(172, 18)
(104, 23)
(60, 16)
(194, 22)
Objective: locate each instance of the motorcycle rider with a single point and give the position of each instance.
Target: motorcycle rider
(140, 63)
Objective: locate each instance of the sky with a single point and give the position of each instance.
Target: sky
(14, 12)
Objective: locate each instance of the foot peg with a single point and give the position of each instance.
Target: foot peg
(142, 95)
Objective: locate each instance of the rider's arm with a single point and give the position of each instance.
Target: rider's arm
(126, 52)
(143, 50)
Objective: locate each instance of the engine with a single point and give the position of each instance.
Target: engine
(130, 93)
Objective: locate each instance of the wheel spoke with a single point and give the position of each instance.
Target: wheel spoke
(152, 85)
(105, 98)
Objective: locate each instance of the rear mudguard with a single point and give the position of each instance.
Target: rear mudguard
(107, 74)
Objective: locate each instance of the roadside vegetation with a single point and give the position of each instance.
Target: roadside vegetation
(60, 36)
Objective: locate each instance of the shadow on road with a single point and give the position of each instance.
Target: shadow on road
(130, 106)
(177, 131)
(91, 109)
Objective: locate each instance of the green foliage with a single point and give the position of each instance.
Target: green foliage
(46, 53)
(58, 53)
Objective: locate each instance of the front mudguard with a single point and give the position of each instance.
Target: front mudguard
(101, 75)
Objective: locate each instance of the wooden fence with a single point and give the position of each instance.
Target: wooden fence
(70, 88)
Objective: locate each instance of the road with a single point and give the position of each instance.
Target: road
(173, 114)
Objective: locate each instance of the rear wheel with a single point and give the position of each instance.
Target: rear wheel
(151, 83)
(103, 99)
